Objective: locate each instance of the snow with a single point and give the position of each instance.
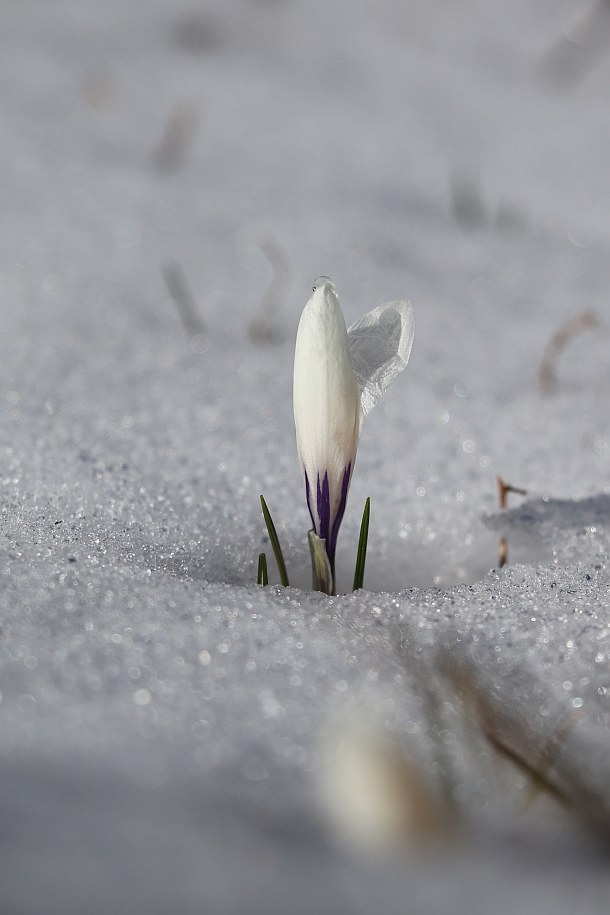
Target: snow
(165, 722)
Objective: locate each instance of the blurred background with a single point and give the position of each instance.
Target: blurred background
(381, 142)
(190, 168)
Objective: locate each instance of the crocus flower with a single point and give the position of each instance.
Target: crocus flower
(339, 375)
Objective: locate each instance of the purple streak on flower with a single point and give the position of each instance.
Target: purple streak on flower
(325, 526)
(332, 542)
(308, 496)
(323, 507)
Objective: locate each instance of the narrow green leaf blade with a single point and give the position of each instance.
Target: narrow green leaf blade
(275, 543)
(262, 577)
(362, 546)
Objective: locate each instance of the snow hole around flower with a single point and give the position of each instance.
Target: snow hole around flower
(429, 558)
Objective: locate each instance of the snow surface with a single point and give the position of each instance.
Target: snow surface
(164, 721)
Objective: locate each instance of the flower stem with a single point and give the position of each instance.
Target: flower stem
(320, 565)
(362, 546)
(275, 543)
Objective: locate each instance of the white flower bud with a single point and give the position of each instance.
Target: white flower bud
(326, 411)
(339, 375)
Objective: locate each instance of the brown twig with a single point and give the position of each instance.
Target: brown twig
(505, 488)
(547, 374)
(503, 491)
(503, 552)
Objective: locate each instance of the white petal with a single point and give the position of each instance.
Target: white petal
(380, 346)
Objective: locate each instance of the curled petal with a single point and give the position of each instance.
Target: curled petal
(380, 346)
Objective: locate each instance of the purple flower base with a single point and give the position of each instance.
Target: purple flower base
(327, 527)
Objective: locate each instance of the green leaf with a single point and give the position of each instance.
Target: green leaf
(275, 543)
(320, 564)
(362, 545)
(262, 577)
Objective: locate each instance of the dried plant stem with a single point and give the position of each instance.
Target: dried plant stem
(183, 299)
(538, 777)
(503, 552)
(547, 374)
(503, 491)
